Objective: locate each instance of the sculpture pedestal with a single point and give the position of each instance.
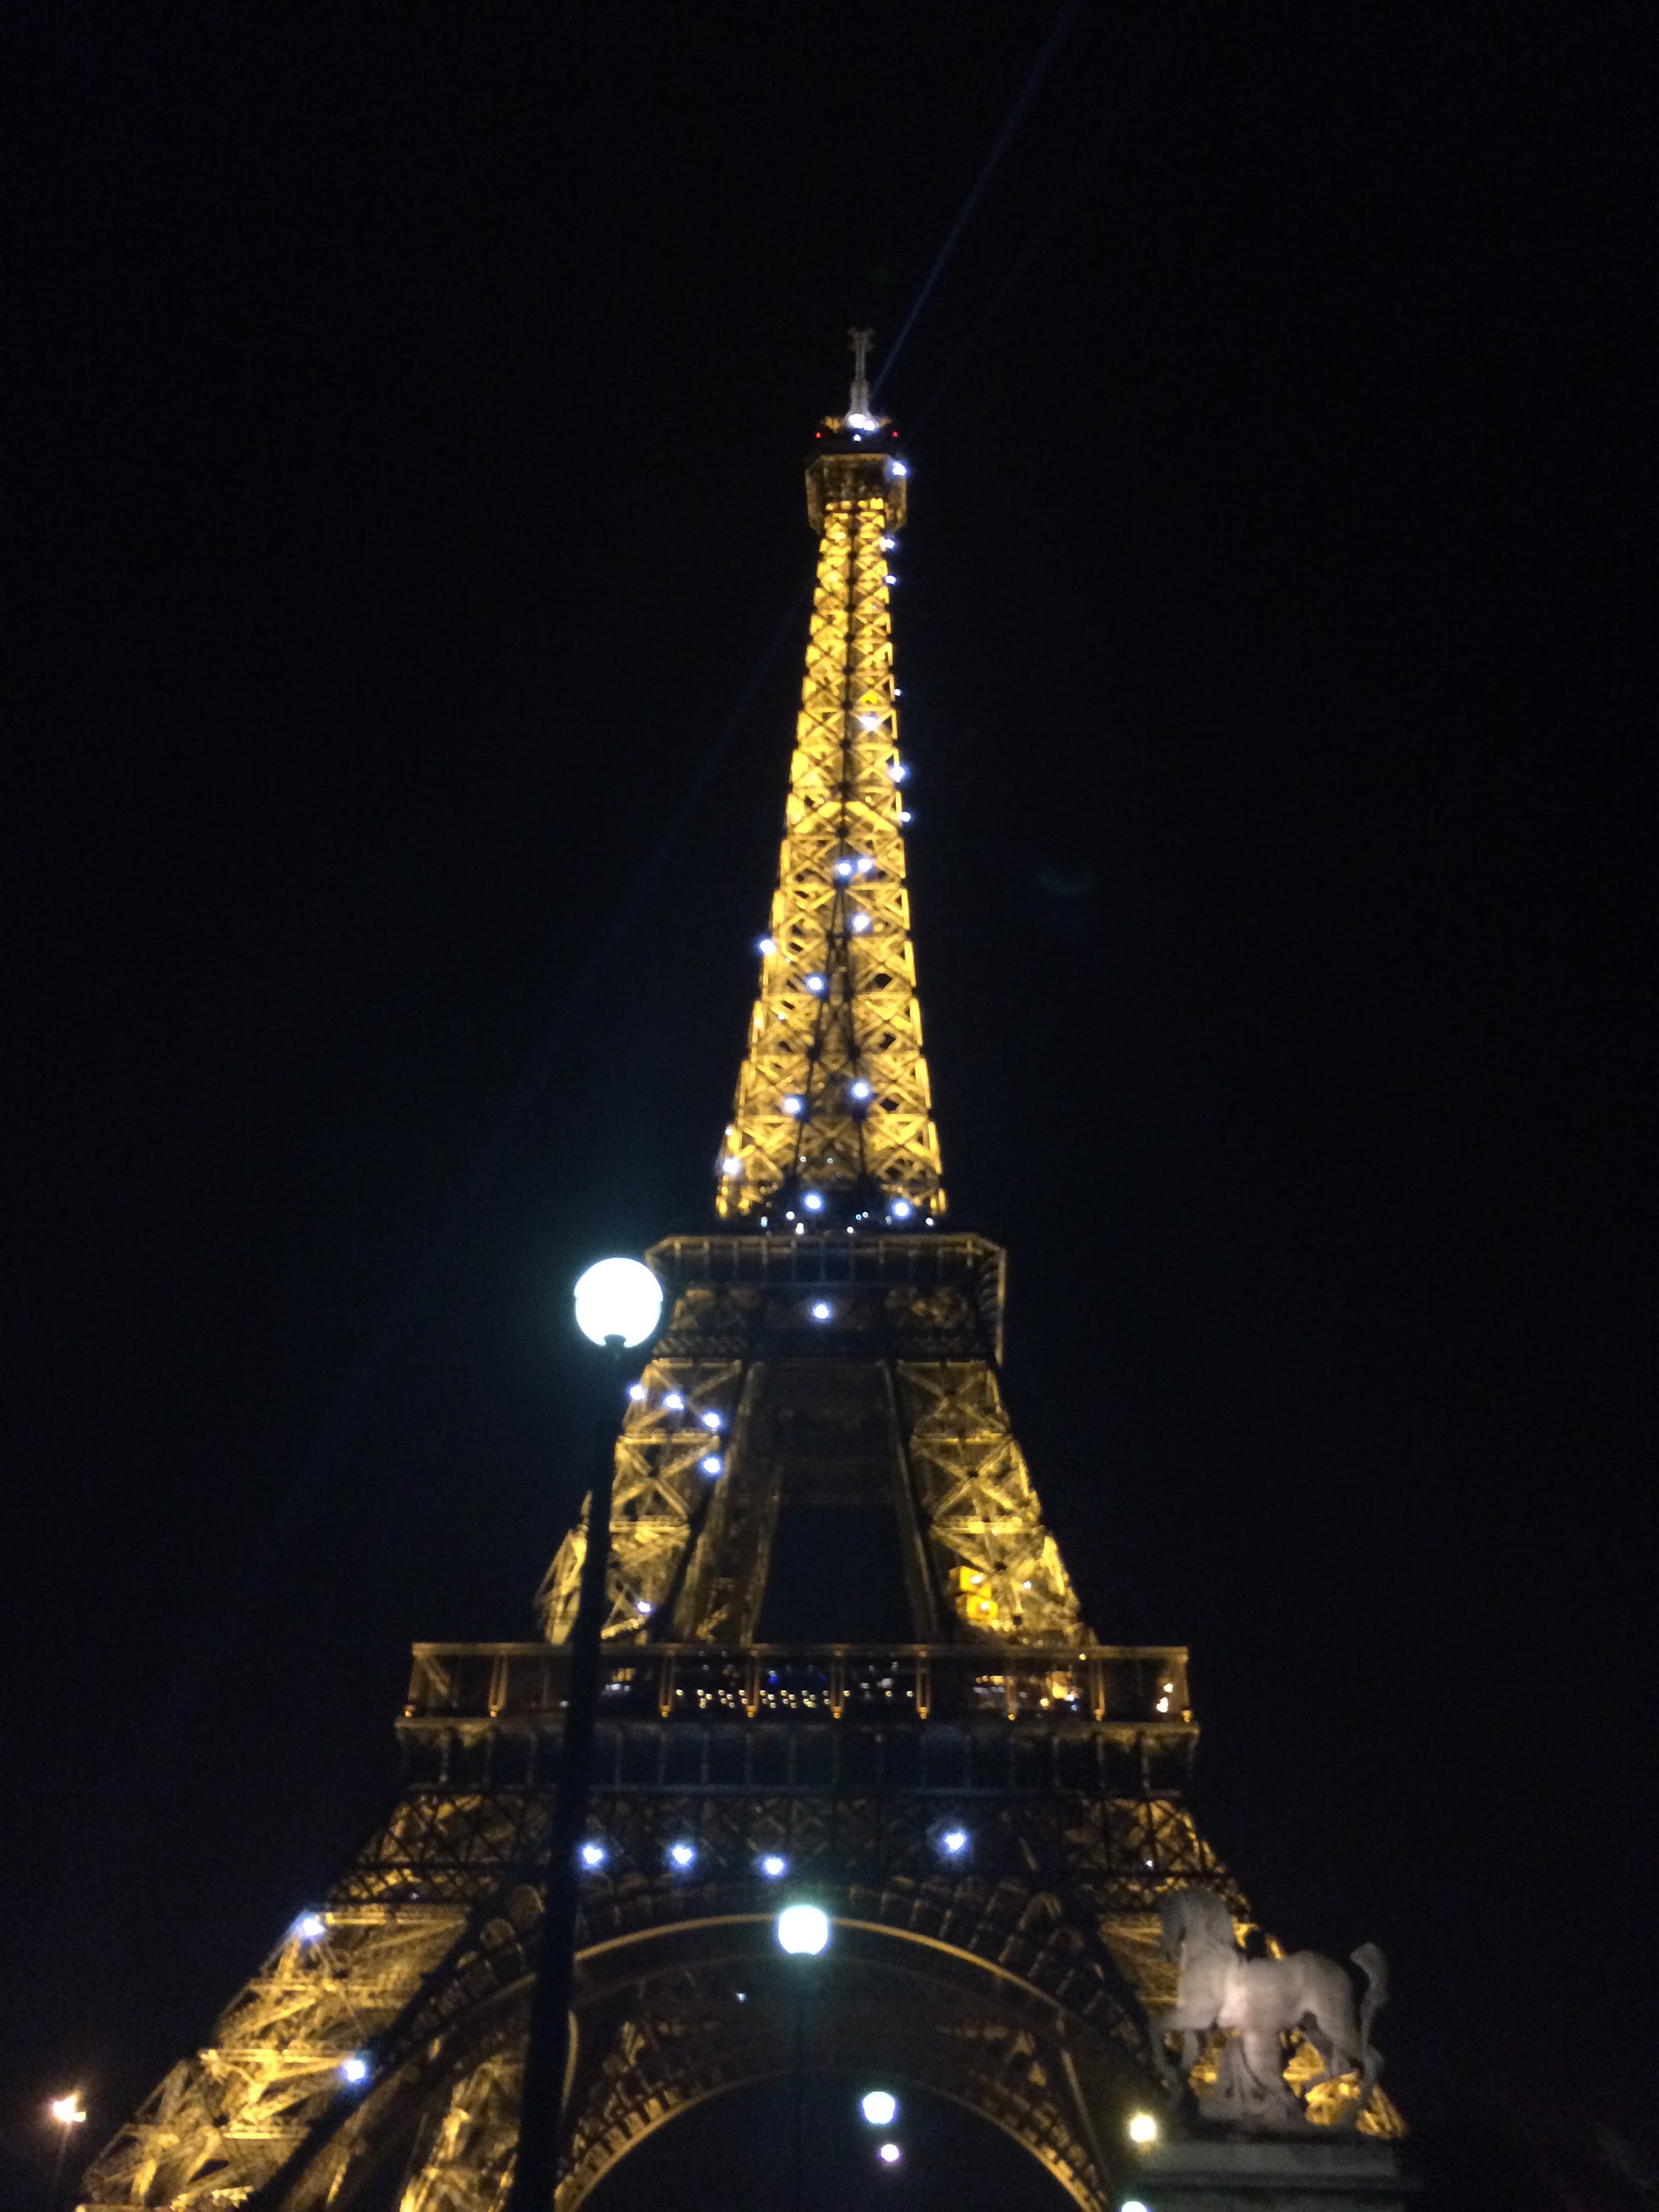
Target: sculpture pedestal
(1268, 2174)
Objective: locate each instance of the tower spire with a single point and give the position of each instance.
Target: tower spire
(859, 402)
(833, 1114)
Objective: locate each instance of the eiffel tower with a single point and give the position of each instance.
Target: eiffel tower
(843, 1658)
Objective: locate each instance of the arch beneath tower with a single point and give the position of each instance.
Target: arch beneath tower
(733, 2153)
(987, 1994)
(674, 2016)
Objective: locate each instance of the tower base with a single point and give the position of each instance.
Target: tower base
(1266, 2175)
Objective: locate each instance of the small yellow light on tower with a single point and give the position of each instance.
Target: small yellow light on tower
(68, 2112)
(1143, 2128)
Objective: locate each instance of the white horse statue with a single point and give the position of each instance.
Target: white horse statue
(1258, 2001)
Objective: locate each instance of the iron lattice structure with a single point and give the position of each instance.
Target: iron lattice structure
(989, 1802)
(862, 1367)
(833, 1098)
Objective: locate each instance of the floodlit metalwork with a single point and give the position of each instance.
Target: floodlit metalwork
(662, 1496)
(225, 2119)
(833, 1094)
(1003, 1569)
(902, 1354)
(988, 1805)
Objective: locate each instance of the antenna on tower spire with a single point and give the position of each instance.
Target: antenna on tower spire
(859, 402)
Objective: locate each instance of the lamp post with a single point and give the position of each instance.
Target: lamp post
(802, 1931)
(70, 2113)
(619, 1304)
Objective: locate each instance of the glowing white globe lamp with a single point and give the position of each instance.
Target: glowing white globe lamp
(879, 2107)
(618, 1298)
(1143, 2128)
(803, 1929)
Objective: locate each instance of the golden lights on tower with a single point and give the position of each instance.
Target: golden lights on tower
(833, 1100)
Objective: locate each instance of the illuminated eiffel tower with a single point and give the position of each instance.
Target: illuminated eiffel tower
(843, 1658)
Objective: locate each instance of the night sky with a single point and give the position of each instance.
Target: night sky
(406, 558)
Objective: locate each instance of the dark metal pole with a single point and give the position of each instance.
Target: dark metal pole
(63, 2127)
(546, 2060)
(800, 2086)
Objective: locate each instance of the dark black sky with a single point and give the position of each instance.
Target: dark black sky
(406, 407)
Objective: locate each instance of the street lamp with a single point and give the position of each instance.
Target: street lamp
(618, 1298)
(879, 2108)
(802, 1931)
(69, 2113)
(618, 1305)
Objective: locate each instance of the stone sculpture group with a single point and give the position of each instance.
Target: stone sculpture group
(1256, 2003)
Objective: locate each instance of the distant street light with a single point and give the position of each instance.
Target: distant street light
(1143, 2128)
(618, 1305)
(69, 2113)
(879, 2108)
(802, 1931)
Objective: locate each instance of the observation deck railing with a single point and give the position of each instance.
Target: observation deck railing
(1132, 1687)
